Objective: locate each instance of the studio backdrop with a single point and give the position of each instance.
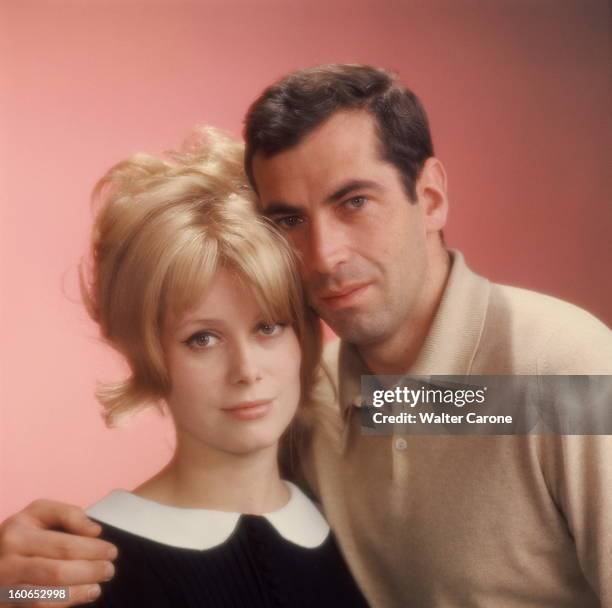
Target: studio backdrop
(518, 93)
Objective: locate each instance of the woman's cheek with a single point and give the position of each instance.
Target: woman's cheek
(194, 383)
(296, 358)
(291, 366)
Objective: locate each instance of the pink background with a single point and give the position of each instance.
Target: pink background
(519, 98)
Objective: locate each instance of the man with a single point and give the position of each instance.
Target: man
(342, 160)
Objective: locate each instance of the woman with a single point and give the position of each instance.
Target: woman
(201, 297)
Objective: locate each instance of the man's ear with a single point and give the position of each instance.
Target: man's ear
(431, 194)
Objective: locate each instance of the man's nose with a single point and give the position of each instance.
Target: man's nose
(325, 248)
(244, 367)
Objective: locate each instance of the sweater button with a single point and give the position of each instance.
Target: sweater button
(401, 444)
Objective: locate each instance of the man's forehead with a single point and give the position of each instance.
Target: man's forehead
(343, 148)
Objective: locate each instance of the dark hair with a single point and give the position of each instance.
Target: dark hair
(298, 103)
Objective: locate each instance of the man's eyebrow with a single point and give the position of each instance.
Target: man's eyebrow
(280, 208)
(274, 208)
(351, 186)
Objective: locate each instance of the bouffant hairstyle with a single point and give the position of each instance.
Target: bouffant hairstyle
(163, 228)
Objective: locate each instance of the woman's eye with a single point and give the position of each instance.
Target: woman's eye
(202, 340)
(270, 329)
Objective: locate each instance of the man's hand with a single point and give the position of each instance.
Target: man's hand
(32, 552)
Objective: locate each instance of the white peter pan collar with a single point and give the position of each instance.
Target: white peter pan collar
(299, 521)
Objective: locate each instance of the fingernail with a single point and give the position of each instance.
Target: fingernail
(109, 571)
(112, 553)
(93, 592)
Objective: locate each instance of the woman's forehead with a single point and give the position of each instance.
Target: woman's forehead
(228, 297)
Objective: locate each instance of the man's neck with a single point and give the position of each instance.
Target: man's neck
(397, 353)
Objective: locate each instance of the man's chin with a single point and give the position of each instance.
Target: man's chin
(358, 328)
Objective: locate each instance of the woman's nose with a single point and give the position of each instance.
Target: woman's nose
(245, 368)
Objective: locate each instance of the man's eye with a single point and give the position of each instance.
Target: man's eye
(202, 340)
(289, 221)
(270, 329)
(356, 202)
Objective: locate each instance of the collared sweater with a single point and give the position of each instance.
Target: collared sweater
(474, 521)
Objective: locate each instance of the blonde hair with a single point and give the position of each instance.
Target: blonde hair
(162, 230)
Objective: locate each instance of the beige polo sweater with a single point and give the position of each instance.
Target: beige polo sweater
(489, 521)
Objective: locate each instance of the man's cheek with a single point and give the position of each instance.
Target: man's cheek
(303, 268)
(296, 242)
(310, 293)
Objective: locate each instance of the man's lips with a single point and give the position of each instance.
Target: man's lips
(343, 297)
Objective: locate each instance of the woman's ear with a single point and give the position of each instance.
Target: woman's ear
(431, 194)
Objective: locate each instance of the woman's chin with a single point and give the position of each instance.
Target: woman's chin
(251, 438)
(255, 435)
(235, 437)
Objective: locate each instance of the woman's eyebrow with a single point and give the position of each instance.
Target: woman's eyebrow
(200, 321)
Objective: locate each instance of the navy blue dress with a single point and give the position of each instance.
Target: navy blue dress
(171, 557)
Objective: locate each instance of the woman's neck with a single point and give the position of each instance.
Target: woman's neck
(201, 477)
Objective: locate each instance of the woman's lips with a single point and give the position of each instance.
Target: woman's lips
(249, 410)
